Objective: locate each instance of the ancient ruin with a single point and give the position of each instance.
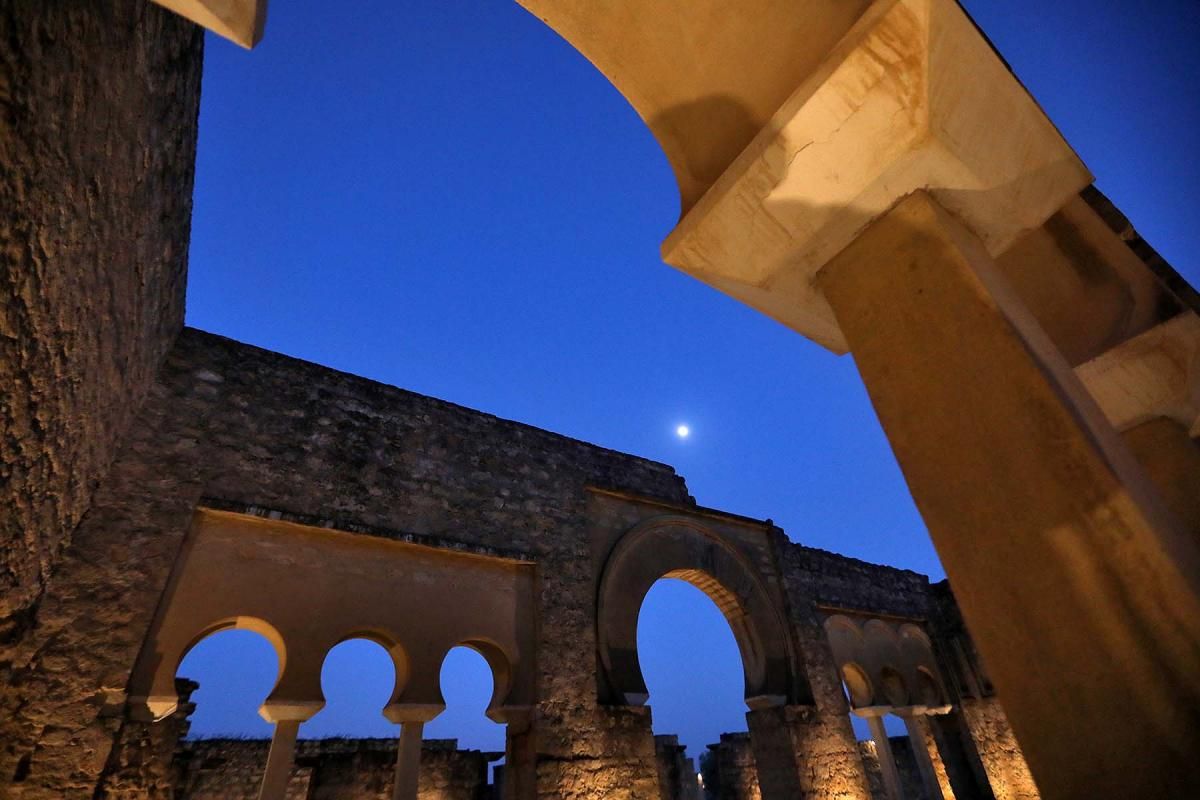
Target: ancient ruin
(1035, 365)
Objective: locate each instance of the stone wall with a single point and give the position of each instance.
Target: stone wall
(245, 428)
(97, 148)
(329, 769)
(254, 428)
(732, 773)
(676, 772)
(831, 739)
(906, 765)
(140, 766)
(1007, 771)
(840, 582)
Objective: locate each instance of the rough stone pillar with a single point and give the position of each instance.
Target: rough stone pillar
(97, 142)
(1007, 771)
(140, 765)
(1069, 569)
(732, 773)
(617, 760)
(835, 757)
(799, 755)
(1172, 460)
(963, 767)
(924, 749)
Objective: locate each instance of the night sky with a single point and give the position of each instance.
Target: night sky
(447, 197)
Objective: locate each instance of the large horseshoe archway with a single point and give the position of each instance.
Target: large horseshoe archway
(677, 547)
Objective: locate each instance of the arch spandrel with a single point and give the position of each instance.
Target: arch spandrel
(681, 548)
(705, 75)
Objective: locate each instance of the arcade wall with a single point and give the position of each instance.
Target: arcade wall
(239, 428)
(249, 429)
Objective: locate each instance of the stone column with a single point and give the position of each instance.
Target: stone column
(412, 718)
(887, 759)
(1069, 569)
(286, 715)
(964, 770)
(918, 734)
(1000, 755)
(408, 761)
(279, 760)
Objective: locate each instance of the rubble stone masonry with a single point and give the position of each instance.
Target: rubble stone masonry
(98, 110)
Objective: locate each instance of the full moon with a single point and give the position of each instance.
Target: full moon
(683, 431)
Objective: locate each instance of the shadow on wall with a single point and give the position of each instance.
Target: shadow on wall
(722, 114)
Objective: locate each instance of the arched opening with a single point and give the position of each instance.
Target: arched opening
(358, 679)
(464, 739)
(235, 670)
(468, 686)
(671, 547)
(224, 678)
(695, 681)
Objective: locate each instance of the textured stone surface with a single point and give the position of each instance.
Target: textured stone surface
(141, 765)
(98, 107)
(255, 428)
(327, 769)
(1006, 768)
(676, 772)
(834, 581)
(250, 429)
(733, 773)
(906, 764)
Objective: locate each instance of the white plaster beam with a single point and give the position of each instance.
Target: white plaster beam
(1155, 374)
(240, 21)
(912, 98)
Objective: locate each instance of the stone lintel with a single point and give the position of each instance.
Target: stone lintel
(239, 21)
(1155, 374)
(912, 98)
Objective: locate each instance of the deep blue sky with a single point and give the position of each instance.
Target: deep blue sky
(446, 197)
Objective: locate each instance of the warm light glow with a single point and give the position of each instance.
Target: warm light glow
(683, 431)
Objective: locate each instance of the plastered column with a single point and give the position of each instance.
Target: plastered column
(887, 759)
(1082, 590)
(412, 718)
(279, 760)
(408, 761)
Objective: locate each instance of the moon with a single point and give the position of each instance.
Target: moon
(683, 431)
